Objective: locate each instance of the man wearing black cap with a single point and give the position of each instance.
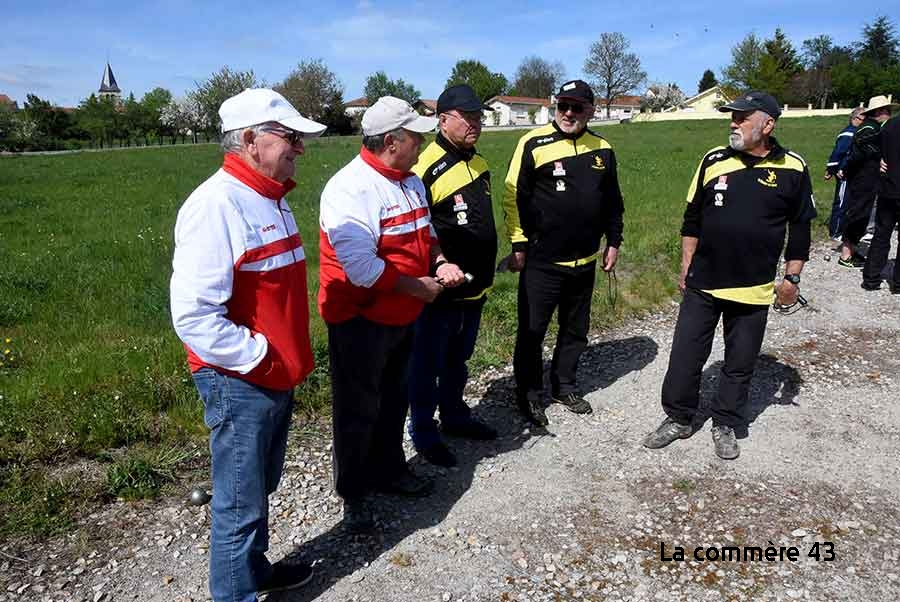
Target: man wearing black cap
(739, 204)
(458, 187)
(562, 197)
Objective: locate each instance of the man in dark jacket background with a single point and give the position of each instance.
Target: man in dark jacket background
(837, 162)
(888, 212)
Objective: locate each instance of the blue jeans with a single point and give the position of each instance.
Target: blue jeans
(444, 340)
(248, 434)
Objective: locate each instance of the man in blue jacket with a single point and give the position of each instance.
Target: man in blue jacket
(835, 169)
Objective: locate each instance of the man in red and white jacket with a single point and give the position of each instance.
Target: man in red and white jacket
(239, 303)
(379, 264)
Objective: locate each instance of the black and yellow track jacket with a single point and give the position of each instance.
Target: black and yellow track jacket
(458, 186)
(739, 207)
(562, 196)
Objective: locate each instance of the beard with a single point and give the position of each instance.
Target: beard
(738, 142)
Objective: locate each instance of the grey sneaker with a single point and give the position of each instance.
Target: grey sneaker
(667, 432)
(726, 444)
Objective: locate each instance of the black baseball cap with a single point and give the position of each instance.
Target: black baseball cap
(754, 100)
(461, 97)
(576, 90)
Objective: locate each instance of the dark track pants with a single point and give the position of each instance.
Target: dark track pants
(542, 289)
(369, 365)
(862, 191)
(886, 216)
(744, 327)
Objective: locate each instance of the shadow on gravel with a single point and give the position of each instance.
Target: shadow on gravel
(343, 554)
(774, 383)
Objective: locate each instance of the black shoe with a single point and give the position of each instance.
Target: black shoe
(407, 484)
(870, 287)
(357, 517)
(439, 455)
(667, 432)
(575, 403)
(470, 429)
(286, 576)
(530, 406)
(854, 263)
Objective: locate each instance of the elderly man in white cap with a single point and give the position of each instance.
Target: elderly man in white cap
(239, 303)
(379, 264)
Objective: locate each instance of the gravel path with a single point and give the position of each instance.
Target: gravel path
(579, 511)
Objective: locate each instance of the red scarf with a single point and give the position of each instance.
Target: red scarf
(378, 165)
(264, 185)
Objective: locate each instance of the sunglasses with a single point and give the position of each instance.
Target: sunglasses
(564, 107)
(292, 137)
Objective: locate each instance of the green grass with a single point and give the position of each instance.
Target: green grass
(85, 252)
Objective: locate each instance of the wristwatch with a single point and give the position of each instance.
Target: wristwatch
(793, 279)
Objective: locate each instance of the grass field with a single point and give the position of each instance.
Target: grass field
(91, 368)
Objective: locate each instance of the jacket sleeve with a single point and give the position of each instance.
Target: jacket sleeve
(615, 205)
(838, 159)
(353, 231)
(208, 243)
(800, 223)
(692, 223)
(519, 187)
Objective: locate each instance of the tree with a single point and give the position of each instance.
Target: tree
(615, 70)
(743, 71)
(97, 117)
(538, 78)
(475, 73)
(220, 86)
(782, 53)
(707, 81)
(880, 44)
(662, 96)
(153, 104)
(315, 91)
(378, 84)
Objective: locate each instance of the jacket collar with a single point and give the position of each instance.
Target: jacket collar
(465, 154)
(263, 185)
(776, 151)
(378, 165)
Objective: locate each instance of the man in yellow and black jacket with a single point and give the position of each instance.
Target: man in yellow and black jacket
(458, 186)
(742, 200)
(562, 197)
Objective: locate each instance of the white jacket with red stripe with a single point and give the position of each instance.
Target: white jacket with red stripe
(373, 229)
(238, 290)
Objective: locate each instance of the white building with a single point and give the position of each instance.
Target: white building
(517, 110)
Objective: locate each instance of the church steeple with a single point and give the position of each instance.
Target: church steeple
(108, 86)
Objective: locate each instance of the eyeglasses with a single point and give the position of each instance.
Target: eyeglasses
(472, 118)
(576, 107)
(292, 137)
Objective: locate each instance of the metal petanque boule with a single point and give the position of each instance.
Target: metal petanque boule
(199, 496)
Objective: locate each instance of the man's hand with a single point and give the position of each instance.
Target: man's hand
(840, 174)
(428, 290)
(682, 280)
(517, 261)
(786, 293)
(883, 166)
(827, 175)
(449, 275)
(610, 255)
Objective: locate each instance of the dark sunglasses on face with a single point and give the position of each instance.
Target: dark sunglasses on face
(290, 136)
(565, 107)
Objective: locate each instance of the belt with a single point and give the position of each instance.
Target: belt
(578, 262)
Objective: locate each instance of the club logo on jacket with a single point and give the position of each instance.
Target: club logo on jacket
(560, 186)
(462, 218)
(558, 169)
(598, 163)
(459, 203)
(722, 184)
(770, 180)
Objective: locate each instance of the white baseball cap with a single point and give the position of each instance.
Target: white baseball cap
(261, 105)
(389, 113)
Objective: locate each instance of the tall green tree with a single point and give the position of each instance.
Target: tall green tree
(153, 103)
(615, 70)
(313, 89)
(707, 81)
(782, 52)
(379, 84)
(742, 72)
(212, 92)
(880, 44)
(538, 78)
(475, 73)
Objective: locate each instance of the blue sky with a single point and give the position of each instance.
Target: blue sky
(58, 51)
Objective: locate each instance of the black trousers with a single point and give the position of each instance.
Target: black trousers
(744, 327)
(369, 366)
(886, 216)
(863, 190)
(542, 289)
